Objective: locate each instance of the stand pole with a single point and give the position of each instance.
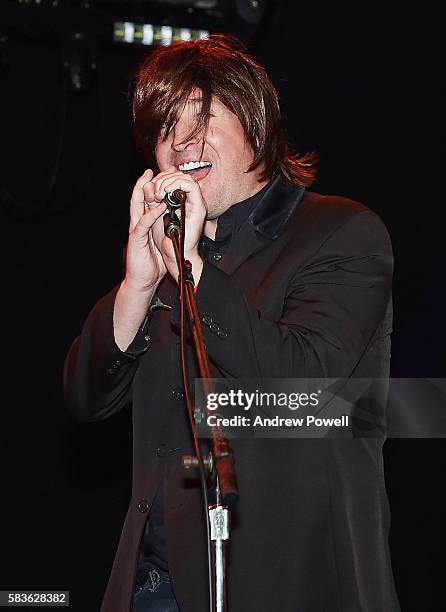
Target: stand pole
(219, 518)
(226, 491)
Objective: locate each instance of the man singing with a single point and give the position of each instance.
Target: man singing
(289, 284)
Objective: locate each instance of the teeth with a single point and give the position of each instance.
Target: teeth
(193, 165)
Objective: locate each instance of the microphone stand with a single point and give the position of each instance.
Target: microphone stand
(219, 463)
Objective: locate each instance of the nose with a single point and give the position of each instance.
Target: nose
(183, 136)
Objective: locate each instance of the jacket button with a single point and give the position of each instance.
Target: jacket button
(162, 451)
(114, 367)
(177, 393)
(207, 320)
(143, 506)
(214, 328)
(216, 256)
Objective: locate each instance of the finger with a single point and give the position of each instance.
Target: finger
(158, 231)
(149, 192)
(137, 198)
(170, 183)
(160, 179)
(149, 188)
(137, 194)
(148, 219)
(168, 172)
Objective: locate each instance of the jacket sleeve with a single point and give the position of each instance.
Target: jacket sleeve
(334, 305)
(98, 376)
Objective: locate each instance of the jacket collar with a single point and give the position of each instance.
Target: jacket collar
(267, 221)
(278, 203)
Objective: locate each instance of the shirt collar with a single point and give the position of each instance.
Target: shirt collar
(232, 219)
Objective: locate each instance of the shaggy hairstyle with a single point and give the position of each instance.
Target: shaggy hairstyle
(217, 66)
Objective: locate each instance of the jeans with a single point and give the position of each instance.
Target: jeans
(155, 594)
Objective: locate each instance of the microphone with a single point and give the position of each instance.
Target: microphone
(174, 198)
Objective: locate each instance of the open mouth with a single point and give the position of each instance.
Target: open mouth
(197, 169)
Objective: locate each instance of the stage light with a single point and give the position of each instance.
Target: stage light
(148, 34)
(135, 22)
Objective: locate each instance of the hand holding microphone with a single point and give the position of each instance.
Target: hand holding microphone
(145, 265)
(149, 253)
(169, 187)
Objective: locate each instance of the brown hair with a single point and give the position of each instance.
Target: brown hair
(217, 66)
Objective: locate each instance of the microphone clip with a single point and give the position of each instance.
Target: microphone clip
(175, 198)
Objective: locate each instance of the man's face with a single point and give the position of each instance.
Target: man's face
(224, 158)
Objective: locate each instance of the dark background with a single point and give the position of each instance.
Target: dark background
(364, 91)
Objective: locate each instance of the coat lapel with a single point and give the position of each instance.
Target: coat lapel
(267, 221)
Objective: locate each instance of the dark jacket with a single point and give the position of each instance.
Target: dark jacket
(303, 291)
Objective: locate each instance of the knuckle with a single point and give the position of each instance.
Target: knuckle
(142, 179)
(149, 195)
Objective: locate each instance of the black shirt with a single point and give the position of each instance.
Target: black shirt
(228, 225)
(153, 551)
